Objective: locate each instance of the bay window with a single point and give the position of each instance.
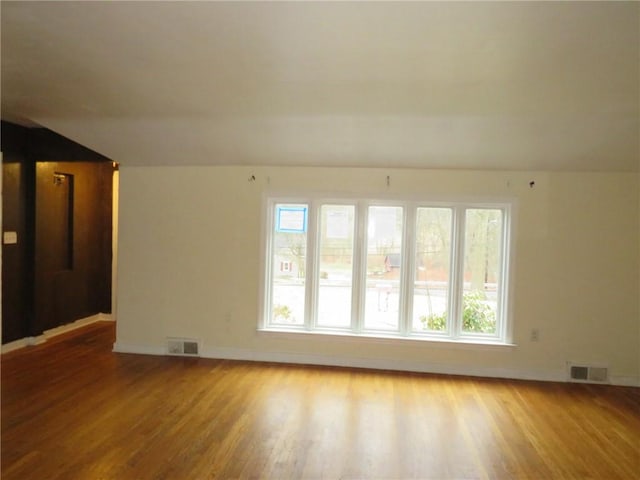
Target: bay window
(424, 270)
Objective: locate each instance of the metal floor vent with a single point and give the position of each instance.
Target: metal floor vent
(588, 373)
(182, 347)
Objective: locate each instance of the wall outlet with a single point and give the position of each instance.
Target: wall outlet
(535, 335)
(9, 238)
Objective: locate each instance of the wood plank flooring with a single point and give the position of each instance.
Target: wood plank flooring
(72, 409)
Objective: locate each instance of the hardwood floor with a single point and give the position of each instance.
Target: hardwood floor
(72, 409)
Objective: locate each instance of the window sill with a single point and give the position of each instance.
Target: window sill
(381, 338)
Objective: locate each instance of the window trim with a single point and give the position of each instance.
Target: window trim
(453, 333)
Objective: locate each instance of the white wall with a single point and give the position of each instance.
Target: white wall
(189, 266)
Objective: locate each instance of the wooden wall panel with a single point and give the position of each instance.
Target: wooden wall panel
(17, 216)
(60, 270)
(68, 290)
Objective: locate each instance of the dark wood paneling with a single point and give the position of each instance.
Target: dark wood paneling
(102, 270)
(13, 139)
(18, 210)
(35, 295)
(15, 261)
(76, 285)
(48, 146)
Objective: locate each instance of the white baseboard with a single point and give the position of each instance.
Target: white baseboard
(381, 364)
(23, 342)
(53, 332)
(352, 362)
(371, 363)
(625, 380)
(100, 317)
(120, 347)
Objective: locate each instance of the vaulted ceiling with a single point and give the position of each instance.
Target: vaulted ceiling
(522, 85)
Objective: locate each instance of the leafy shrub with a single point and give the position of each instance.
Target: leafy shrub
(281, 312)
(477, 316)
(434, 321)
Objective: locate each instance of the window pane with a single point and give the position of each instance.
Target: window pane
(289, 264)
(384, 248)
(433, 258)
(335, 269)
(482, 257)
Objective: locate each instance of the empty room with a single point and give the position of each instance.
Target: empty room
(320, 240)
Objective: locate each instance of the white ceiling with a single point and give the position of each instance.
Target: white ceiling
(524, 86)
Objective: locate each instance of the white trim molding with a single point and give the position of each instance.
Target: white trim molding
(625, 380)
(243, 354)
(120, 347)
(379, 364)
(53, 332)
(226, 353)
(100, 317)
(23, 342)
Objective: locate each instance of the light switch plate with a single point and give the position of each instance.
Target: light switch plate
(9, 238)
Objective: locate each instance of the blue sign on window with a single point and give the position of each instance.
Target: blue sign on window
(291, 219)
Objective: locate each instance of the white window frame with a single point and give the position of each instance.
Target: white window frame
(405, 330)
